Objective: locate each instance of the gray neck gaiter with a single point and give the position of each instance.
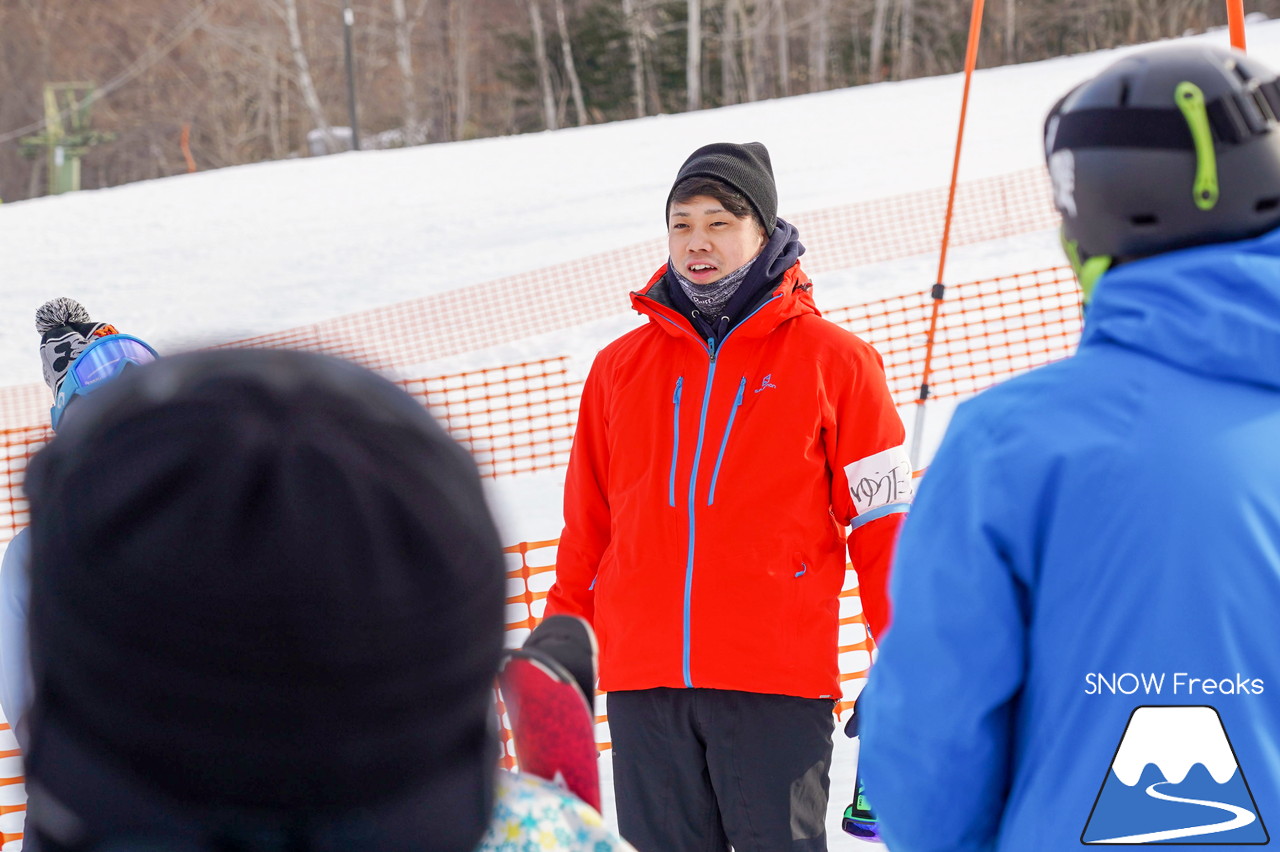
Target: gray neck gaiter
(710, 299)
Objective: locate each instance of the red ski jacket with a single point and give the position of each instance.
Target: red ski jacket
(708, 494)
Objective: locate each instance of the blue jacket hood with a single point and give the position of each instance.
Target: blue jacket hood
(1213, 310)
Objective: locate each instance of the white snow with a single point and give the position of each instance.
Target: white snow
(221, 255)
(218, 256)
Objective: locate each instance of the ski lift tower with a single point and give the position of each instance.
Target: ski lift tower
(66, 137)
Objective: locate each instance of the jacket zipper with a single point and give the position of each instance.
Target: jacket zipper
(724, 442)
(675, 447)
(693, 478)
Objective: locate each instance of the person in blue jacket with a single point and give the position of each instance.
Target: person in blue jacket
(1086, 593)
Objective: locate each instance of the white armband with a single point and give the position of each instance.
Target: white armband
(880, 484)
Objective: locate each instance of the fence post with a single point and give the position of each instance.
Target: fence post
(1235, 23)
(939, 289)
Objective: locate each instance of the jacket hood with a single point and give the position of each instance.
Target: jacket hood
(779, 254)
(1212, 310)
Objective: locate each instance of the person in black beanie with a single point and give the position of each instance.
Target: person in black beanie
(266, 614)
(721, 451)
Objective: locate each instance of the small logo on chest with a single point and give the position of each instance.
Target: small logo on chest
(765, 383)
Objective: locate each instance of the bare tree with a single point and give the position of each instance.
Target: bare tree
(879, 17)
(784, 51)
(693, 56)
(1010, 30)
(252, 77)
(544, 67)
(906, 38)
(819, 45)
(855, 59)
(247, 107)
(570, 70)
(635, 36)
(460, 26)
(404, 60)
(303, 68)
(755, 47)
(730, 64)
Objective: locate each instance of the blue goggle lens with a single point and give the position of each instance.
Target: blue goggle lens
(101, 360)
(105, 357)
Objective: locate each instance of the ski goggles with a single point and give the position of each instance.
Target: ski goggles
(98, 363)
(860, 823)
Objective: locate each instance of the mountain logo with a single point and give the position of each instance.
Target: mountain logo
(1175, 779)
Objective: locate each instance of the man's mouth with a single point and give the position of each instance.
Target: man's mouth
(701, 267)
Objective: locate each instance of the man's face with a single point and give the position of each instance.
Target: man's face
(708, 242)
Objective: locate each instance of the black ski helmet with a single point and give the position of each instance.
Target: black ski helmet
(1170, 147)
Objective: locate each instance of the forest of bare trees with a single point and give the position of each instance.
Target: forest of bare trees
(247, 80)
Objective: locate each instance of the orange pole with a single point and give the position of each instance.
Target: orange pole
(1235, 23)
(185, 142)
(970, 61)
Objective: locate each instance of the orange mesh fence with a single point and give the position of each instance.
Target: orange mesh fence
(582, 290)
(513, 419)
(911, 224)
(567, 294)
(520, 418)
(991, 330)
(896, 327)
(545, 300)
(529, 580)
(13, 794)
(24, 405)
(988, 330)
(17, 446)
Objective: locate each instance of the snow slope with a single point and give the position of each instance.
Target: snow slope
(225, 254)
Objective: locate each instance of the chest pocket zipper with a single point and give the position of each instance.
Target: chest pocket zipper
(724, 442)
(675, 442)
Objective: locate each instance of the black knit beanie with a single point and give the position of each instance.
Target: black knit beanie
(745, 167)
(266, 580)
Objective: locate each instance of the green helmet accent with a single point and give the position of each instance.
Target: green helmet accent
(1170, 147)
(1087, 271)
(1190, 101)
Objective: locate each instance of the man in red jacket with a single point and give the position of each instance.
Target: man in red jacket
(722, 450)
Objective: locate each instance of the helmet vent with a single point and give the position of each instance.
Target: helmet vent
(1266, 205)
(1264, 106)
(1144, 220)
(1124, 94)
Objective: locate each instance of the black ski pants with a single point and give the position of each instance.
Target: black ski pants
(701, 770)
